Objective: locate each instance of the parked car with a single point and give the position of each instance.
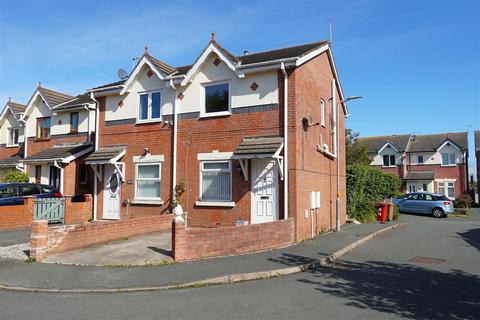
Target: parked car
(425, 203)
(13, 193)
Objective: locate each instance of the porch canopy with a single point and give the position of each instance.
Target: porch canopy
(60, 153)
(259, 148)
(107, 155)
(11, 162)
(419, 175)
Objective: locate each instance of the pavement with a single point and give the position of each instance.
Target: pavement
(379, 280)
(152, 249)
(71, 277)
(13, 237)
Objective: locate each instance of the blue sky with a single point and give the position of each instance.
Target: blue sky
(416, 63)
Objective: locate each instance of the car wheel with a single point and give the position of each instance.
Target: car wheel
(437, 213)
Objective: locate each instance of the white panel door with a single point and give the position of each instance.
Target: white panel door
(264, 191)
(111, 193)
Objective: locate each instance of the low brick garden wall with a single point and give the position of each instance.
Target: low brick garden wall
(197, 243)
(47, 240)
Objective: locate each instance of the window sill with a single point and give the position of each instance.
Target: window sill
(151, 202)
(448, 165)
(41, 139)
(13, 146)
(148, 121)
(389, 166)
(229, 204)
(215, 114)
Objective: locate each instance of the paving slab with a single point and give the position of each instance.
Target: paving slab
(42, 275)
(152, 249)
(13, 237)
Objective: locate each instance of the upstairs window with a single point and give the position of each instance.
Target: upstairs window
(216, 181)
(448, 159)
(322, 113)
(43, 128)
(217, 99)
(420, 159)
(150, 104)
(13, 137)
(74, 122)
(389, 160)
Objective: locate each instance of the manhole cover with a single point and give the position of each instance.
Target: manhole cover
(428, 260)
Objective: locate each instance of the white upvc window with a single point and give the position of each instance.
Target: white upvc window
(389, 160)
(148, 181)
(216, 181)
(216, 99)
(150, 106)
(447, 189)
(448, 159)
(322, 113)
(13, 134)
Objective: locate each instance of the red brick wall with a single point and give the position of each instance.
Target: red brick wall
(197, 243)
(457, 172)
(311, 170)
(15, 217)
(76, 212)
(66, 238)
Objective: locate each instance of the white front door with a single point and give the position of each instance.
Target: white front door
(111, 193)
(264, 191)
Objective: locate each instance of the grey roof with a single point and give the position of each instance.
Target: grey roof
(105, 154)
(53, 97)
(431, 142)
(477, 140)
(265, 146)
(108, 85)
(419, 175)
(162, 66)
(11, 161)
(374, 144)
(79, 100)
(16, 107)
(58, 152)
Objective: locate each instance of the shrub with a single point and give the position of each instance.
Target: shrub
(365, 187)
(16, 176)
(463, 201)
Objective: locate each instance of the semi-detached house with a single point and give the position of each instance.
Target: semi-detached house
(11, 137)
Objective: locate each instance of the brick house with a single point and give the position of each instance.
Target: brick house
(11, 137)
(477, 157)
(431, 162)
(218, 126)
(59, 130)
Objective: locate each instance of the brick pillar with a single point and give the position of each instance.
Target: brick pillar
(178, 240)
(39, 239)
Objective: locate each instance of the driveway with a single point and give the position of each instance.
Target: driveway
(152, 249)
(14, 244)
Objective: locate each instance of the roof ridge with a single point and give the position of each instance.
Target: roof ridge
(54, 92)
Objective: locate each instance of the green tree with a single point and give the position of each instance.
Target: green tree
(16, 176)
(356, 152)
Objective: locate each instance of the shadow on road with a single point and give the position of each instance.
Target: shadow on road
(472, 237)
(405, 290)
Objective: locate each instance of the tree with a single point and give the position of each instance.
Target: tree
(357, 153)
(16, 176)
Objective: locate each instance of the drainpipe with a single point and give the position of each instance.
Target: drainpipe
(175, 129)
(95, 181)
(25, 143)
(335, 149)
(89, 139)
(285, 137)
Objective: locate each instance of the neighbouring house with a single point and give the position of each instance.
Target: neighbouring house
(11, 137)
(218, 126)
(429, 162)
(477, 157)
(59, 130)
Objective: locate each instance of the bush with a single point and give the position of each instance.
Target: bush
(367, 186)
(463, 201)
(16, 176)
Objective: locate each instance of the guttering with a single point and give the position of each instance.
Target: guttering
(95, 148)
(25, 141)
(118, 86)
(285, 138)
(272, 62)
(175, 130)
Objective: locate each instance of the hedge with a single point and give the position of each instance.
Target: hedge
(365, 187)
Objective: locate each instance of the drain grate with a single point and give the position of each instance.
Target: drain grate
(428, 260)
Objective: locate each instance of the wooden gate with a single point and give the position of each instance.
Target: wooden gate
(51, 209)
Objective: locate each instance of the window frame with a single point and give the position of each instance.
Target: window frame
(149, 118)
(38, 174)
(390, 165)
(42, 137)
(159, 180)
(322, 112)
(10, 137)
(418, 159)
(73, 130)
(203, 109)
(84, 172)
(447, 189)
(229, 170)
(449, 155)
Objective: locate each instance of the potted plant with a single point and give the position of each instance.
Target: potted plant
(177, 200)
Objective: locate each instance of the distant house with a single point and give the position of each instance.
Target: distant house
(431, 162)
(477, 156)
(11, 137)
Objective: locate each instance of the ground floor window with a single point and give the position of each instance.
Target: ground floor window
(38, 174)
(147, 182)
(84, 174)
(216, 181)
(54, 178)
(447, 190)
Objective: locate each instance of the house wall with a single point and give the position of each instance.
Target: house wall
(8, 123)
(309, 169)
(378, 159)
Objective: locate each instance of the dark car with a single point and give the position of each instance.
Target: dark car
(13, 193)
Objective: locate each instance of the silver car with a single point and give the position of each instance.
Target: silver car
(425, 203)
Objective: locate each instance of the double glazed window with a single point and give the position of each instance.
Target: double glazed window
(420, 159)
(216, 181)
(150, 106)
(450, 189)
(147, 183)
(74, 122)
(13, 134)
(389, 160)
(43, 128)
(217, 99)
(448, 159)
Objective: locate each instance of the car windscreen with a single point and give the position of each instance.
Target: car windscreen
(442, 198)
(30, 190)
(8, 192)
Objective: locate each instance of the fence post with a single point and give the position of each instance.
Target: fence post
(39, 239)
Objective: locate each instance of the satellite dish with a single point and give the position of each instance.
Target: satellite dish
(122, 74)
